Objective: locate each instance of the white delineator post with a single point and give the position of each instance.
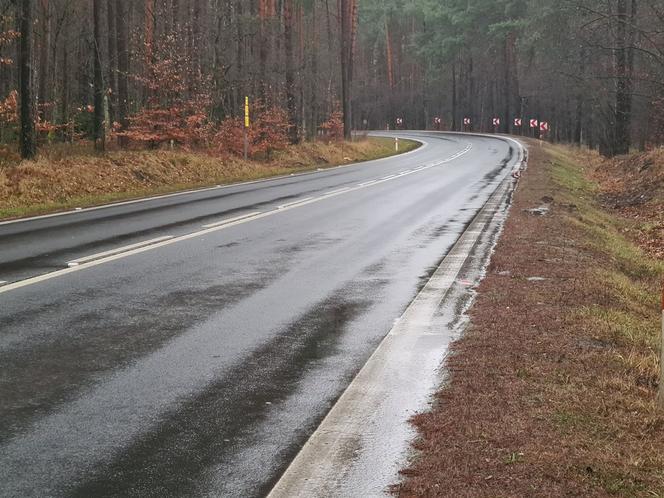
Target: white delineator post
(396, 144)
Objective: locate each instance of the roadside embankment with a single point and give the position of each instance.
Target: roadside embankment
(65, 177)
(551, 390)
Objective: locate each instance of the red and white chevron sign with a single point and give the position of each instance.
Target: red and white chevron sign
(544, 126)
(399, 121)
(466, 121)
(437, 120)
(496, 121)
(534, 123)
(518, 122)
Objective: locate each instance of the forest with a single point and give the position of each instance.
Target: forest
(176, 73)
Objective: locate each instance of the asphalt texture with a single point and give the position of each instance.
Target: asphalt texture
(201, 367)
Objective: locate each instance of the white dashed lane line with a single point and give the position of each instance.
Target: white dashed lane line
(231, 220)
(295, 203)
(118, 250)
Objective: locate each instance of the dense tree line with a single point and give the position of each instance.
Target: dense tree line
(171, 71)
(90, 68)
(593, 70)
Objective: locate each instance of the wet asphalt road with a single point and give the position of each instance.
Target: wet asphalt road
(201, 367)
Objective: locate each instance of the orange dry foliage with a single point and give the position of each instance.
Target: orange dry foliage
(9, 109)
(178, 99)
(268, 132)
(333, 128)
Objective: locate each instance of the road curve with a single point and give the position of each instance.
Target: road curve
(199, 365)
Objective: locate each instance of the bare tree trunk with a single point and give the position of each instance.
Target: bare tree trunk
(42, 70)
(622, 133)
(346, 51)
(240, 91)
(149, 30)
(454, 97)
(196, 45)
(263, 49)
(27, 138)
(99, 132)
(64, 97)
(507, 94)
(112, 58)
(313, 88)
(123, 66)
(290, 72)
(580, 105)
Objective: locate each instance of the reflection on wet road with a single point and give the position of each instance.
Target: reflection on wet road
(200, 367)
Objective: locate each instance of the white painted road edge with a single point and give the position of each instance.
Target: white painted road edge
(359, 444)
(215, 227)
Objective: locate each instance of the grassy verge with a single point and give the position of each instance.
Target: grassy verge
(64, 178)
(551, 391)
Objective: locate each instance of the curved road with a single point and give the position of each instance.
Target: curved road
(200, 364)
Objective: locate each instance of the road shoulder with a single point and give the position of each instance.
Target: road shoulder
(359, 447)
(550, 391)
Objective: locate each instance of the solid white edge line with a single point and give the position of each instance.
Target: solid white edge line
(423, 145)
(230, 220)
(117, 250)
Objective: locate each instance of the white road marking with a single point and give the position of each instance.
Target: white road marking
(366, 184)
(3, 282)
(231, 220)
(389, 177)
(338, 191)
(173, 240)
(295, 203)
(118, 250)
(423, 146)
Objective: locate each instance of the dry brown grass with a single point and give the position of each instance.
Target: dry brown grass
(633, 187)
(551, 390)
(65, 177)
